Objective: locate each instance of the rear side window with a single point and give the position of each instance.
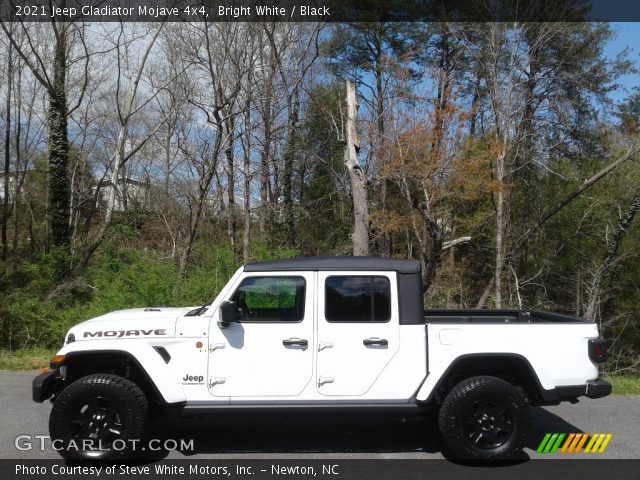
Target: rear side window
(270, 299)
(357, 299)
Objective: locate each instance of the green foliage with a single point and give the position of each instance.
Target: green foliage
(381, 48)
(629, 113)
(38, 306)
(47, 269)
(327, 233)
(625, 385)
(260, 293)
(25, 358)
(427, 89)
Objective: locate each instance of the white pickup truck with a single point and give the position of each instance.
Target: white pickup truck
(319, 334)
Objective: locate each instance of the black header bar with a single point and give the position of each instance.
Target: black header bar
(320, 10)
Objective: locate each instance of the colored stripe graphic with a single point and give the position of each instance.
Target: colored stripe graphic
(547, 449)
(581, 442)
(591, 443)
(574, 442)
(557, 444)
(568, 442)
(543, 443)
(606, 442)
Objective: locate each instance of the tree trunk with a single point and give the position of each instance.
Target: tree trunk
(360, 236)
(7, 159)
(578, 292)
(430, 260)
(500, 230)
(265, 155)
(385, 238)
(58, 146)
(246, 238)
(264, 170)
(287, 181)
(20, 180)
(522, 175)
(231, 191)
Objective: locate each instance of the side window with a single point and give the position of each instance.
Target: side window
(357, 299)
(270, 299)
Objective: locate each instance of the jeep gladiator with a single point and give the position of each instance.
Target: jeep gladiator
(320, 334)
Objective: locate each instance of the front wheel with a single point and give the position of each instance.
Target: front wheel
(484, 418)
(98, 417)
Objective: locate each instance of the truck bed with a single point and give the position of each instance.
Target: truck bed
(498, 316)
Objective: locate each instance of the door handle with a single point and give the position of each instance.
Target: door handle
(217, 381)
(323, 345)
(295, 341)
(375, 341)
(323, 380)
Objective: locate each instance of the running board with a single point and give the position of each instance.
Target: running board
(199, 409)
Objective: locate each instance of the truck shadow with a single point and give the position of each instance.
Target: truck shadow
(544, 422)
(324, 434)
(301, 433)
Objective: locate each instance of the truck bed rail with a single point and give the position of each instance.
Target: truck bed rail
(498, 316)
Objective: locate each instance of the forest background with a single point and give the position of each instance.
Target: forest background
(142, 163)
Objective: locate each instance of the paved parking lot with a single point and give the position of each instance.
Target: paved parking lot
(337, 436)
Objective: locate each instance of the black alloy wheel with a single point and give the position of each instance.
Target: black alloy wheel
(489, 424)
(98, 417)
(484, 418)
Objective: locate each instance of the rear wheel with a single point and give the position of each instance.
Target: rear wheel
(98, 417)
(484, 418)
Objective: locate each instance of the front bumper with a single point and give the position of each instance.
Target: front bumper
(46, 384)
(592, 389)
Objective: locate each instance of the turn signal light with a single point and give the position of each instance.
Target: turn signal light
(56, 361)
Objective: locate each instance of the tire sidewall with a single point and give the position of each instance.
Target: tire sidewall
(118, 390)
(462, 399)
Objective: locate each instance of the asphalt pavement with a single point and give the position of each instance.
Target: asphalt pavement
(23, 423)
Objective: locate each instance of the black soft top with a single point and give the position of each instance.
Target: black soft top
(335, 263)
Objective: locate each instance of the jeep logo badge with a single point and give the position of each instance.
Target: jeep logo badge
(192, 379)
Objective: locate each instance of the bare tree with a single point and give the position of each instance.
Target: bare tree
(128, 88)
(265, 88)
(7, 152)
(220, 71)
(295, 49)
(360, 236)
(251, 61)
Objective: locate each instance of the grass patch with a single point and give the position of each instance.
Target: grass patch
(25, 359)
(625, 385)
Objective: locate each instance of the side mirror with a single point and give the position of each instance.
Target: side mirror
(228, 314)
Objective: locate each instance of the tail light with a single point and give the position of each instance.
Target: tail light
(598, 350)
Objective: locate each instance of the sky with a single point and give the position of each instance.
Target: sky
(627, 35)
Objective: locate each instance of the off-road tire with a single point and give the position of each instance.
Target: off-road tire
(484, 418)
(94, 407)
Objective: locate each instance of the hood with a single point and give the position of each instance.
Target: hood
(131, 323)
